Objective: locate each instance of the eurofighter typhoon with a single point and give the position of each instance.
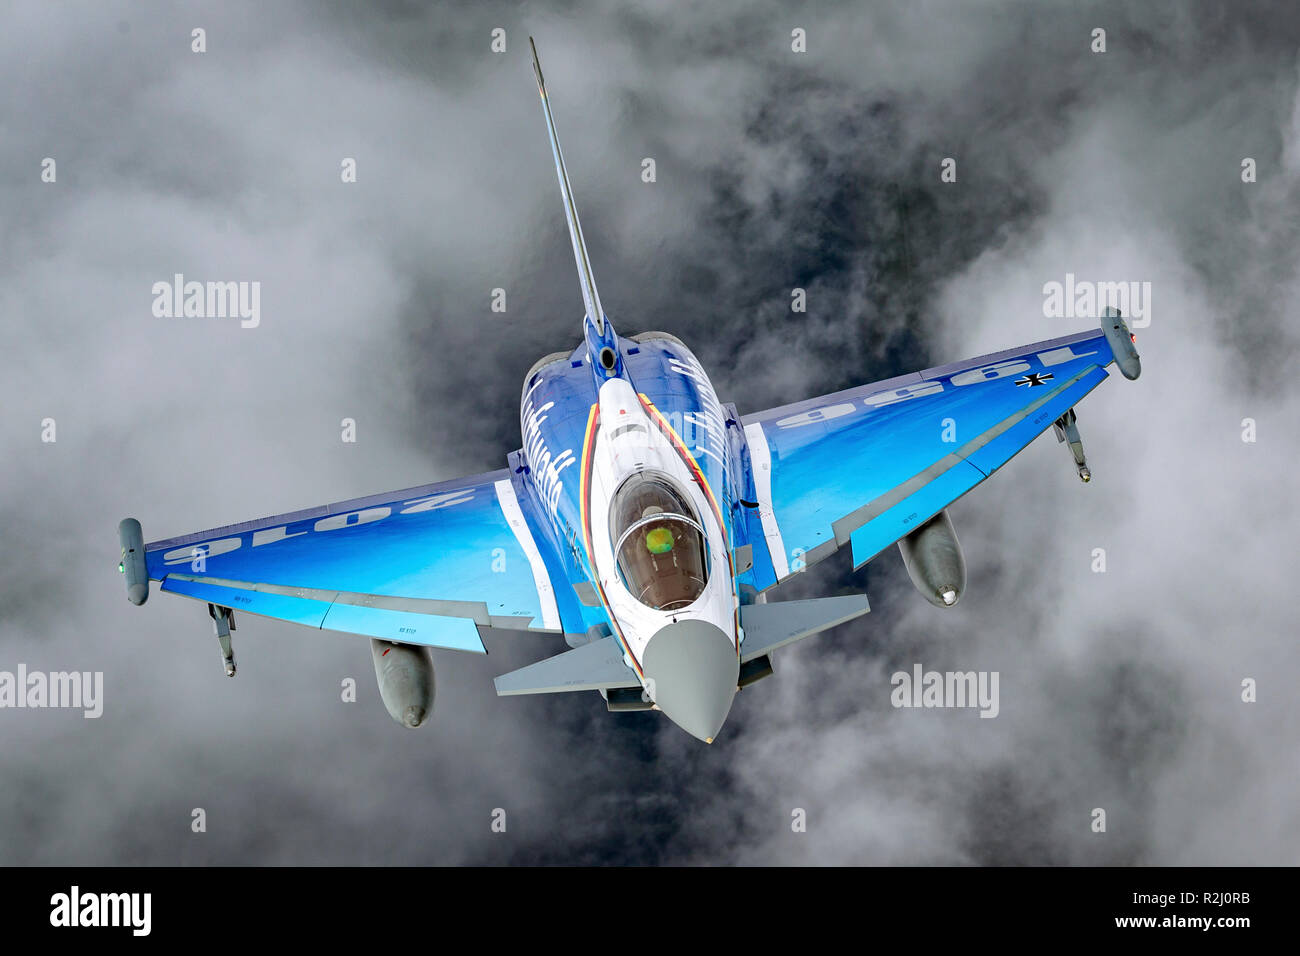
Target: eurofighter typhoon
(643, 520)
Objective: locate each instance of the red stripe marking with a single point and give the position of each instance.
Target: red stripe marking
(584, 501)
(694, 467)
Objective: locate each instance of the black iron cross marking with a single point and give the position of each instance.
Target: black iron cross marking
(1035, 378)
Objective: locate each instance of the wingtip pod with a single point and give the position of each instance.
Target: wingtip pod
(132, 564)
(1122, 343)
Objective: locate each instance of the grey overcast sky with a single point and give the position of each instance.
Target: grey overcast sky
(775, 170)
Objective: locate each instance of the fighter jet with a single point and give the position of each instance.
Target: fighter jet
(643, 521)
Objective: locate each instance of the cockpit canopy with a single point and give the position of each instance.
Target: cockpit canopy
(658, 543)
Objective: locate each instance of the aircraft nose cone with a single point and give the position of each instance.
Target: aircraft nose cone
(692, 669)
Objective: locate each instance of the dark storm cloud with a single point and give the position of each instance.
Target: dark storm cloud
(775, 170)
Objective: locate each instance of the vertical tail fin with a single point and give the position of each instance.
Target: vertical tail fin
(590, 297)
